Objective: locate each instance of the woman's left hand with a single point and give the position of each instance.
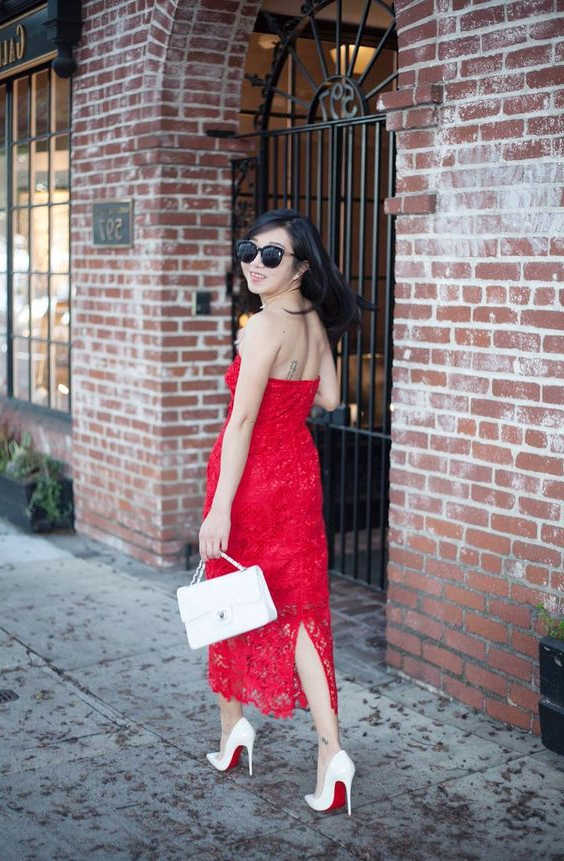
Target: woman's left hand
(214, 534)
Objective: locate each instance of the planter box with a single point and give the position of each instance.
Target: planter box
(551, 659)
(552, 725)
(551, 704)
(15, 496)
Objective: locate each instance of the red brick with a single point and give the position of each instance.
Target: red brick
(485, 107)
(539, 463)
(516, 389)
(444, 528)
(469, 557)
(488, 541)
(443, 658)
(492, 453)
(456, 48)
(471, 471)
(534, 56)
(552, 535)
(509, 714)
(464, 597)
(543, 319)
(467, 514)
(491, 497)
(491, 409)
(494, 314)
(511, 434)
(536, 438)
(525, 644)
(524, 697)
(553, 394)
(399, 595)
(485, 679)
(526, 149)
(537, 575)
(422, 670)
(437, 608)
(448, 488)
(536, 553)
(444, 570)
(490, 563)
(553, 344)
(550, 77)
(514, 525)
(407, 558)
(489, 430)
(448, 550)
(544, 271)
(428, 377)
(529, 9)
(394, 658)
(465, 643)
(464, 693)
(554, 489)
(501, 130)
(515, 614)
(522, 341)
(526, 103)
(403, 640)
(424, 625)
(473, 337)
(498, 271)
(422, 544)
(487, 628)
(510, 663)
(486, 584)
(478, 18)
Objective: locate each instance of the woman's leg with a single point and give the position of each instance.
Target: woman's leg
(314, 682)
(230, 712)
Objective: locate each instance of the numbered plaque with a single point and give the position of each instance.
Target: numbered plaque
(112, 223)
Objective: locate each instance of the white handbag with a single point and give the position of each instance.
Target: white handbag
(213, 610)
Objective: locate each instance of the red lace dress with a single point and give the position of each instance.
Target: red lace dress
(276, 522)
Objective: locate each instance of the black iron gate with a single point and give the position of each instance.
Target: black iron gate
(338, 171)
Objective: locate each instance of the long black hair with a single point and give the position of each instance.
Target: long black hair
(322, 283)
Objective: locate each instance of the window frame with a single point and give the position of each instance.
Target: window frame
(11, 208)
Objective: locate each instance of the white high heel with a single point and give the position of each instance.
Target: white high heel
(242, 735)
(338, 780)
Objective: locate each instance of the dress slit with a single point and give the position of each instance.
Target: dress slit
(327, 671)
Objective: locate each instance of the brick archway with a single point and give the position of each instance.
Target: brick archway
(148, 388)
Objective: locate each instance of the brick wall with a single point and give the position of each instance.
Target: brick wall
(148, 393)
(477, 481)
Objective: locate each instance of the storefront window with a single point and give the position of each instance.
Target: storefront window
(34, 239)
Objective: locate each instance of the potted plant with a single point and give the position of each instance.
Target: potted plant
(34, 493)
(551, 658)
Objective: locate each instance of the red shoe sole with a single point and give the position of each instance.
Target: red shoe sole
(339, 797)
(235, 757)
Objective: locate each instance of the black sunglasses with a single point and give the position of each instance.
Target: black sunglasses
(271, 255)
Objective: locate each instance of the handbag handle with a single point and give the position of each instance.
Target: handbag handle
(199, 573)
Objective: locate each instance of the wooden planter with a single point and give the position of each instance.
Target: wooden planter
(15, 495)
(551, 703)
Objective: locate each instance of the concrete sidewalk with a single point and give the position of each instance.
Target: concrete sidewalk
(103, 751)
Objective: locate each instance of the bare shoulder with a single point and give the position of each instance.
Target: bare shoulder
(260, 329)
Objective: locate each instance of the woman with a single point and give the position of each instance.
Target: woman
(264, 498)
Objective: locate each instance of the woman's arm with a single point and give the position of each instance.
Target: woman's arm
(328, 393)
(261, 347)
